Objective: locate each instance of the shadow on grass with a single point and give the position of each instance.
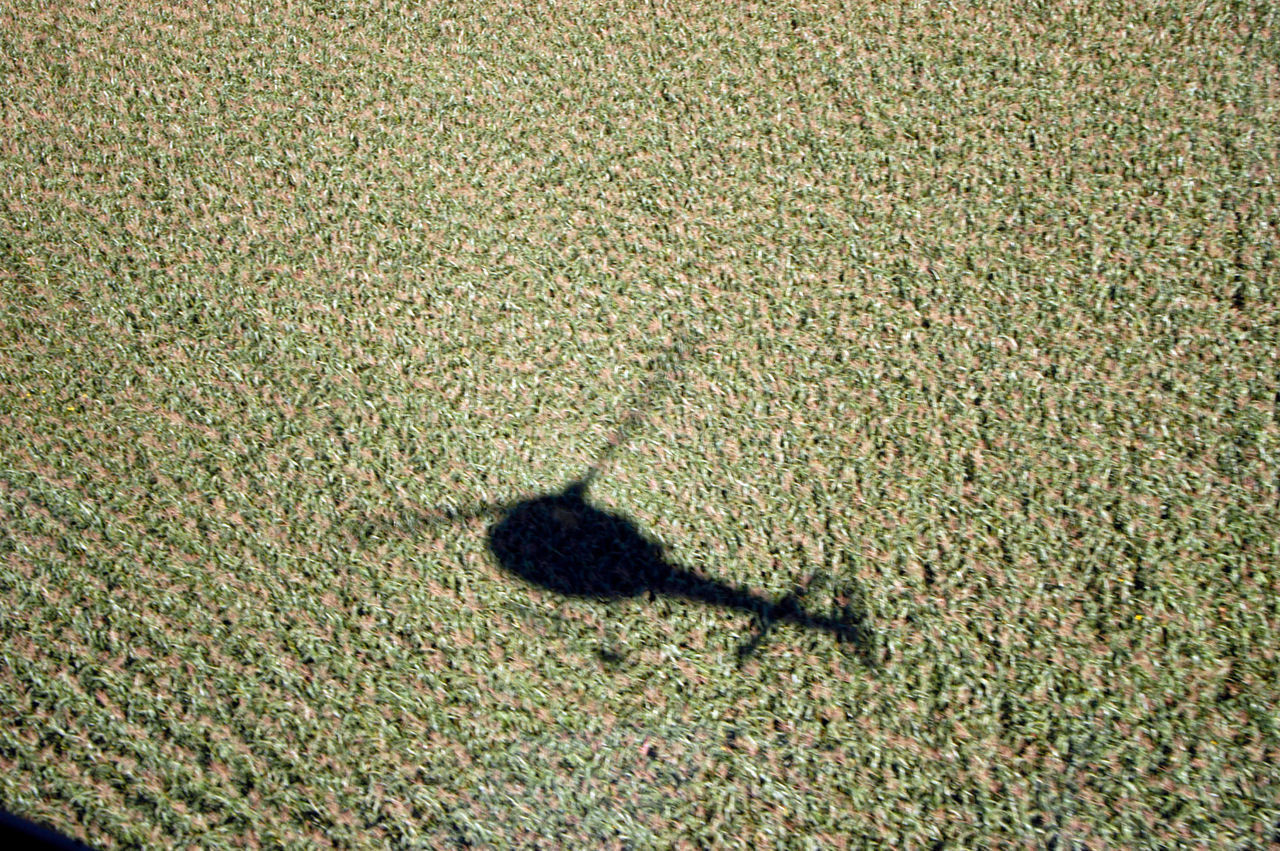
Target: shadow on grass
(562, 543)
(18, 832)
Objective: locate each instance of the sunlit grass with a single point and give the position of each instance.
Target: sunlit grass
(977, 313)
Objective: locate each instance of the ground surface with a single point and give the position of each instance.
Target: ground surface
(969, 315)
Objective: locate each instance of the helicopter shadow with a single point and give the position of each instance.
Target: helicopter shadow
(562, 543)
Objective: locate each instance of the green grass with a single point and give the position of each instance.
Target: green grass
(981, 308)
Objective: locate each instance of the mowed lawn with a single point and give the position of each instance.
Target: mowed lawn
(955, 324)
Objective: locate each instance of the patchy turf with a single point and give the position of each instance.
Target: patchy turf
(967, 315)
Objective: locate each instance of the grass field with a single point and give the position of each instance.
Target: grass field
(959, 321)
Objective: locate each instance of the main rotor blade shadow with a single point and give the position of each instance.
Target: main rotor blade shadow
(411, 522)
